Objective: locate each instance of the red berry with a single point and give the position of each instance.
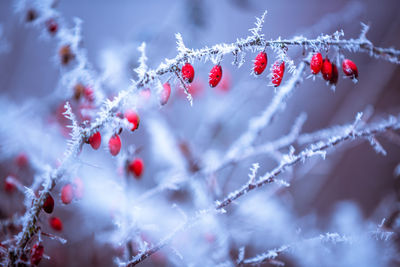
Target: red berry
(114, 144)
(136, 167)
(316, 63)
(260, 63)
(188, 72)
(166, 92)
(78, 188)
(89, 94)
(48, 205)
(21, 160)
(9, 184)
(133, 118)
(326, 70)
(278, 69)
(335, 75)
(95, 140)
(56, 223)
(36, 253)
(67, 194)
(215, 75)
(350, 68)
(52, 26)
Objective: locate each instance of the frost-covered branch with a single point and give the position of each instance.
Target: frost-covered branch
(317, 149)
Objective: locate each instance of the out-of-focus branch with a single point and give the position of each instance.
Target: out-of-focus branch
(319, 148)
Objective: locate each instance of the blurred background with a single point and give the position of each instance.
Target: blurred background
(350, 192)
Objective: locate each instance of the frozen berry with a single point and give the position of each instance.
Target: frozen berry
(22, 160)
(52, 26)
(9, 184)
(326, 70)
(316, 63)
(95, 140)
(278, 69)
(350, 68)
(260, 63)
(114, 145)
(335, 75)
(31, 15)
(188, 72)
(89, 94)
(78, 91)
(36, 253)
(67, 194)
(56, 223)
(136, 167)
(48, 205)
(65, 54)
(215, 75)
(133, 118)
(165, 93)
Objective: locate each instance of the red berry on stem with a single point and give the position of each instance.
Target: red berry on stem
(36, 253)
(350, 68)
(52, 26)
(133, 118)
(9, 184)
(260, 63)
(67, 194)
(48, 205)
(136, 167)
(278, 69)
(215, 75)
(326, 70)
(165, 93)
(114, 144)
(188, 72)
(89, 94)
(316, 63)
(95, 140)
(335, 75)
(56, 223)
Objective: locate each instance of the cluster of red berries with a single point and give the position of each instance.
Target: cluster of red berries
(114, 143)
(277, 70)
(51, 24)
(329, 70)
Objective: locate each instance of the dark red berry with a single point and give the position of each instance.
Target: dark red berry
(48, 205)
(95, 140)
(165, 93)
(188, 72)
(335, 75)
(326, 70)
(133, 118)
(260, 63)
(114, 145)
(67, 194)
(31, 15)
(22, 160)
(9, 184)
(350, 68)
(56, 223)
(52, 26)
(136, 167)
(278, 69)
(316, 63)
(36, 253)
(215, 75)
